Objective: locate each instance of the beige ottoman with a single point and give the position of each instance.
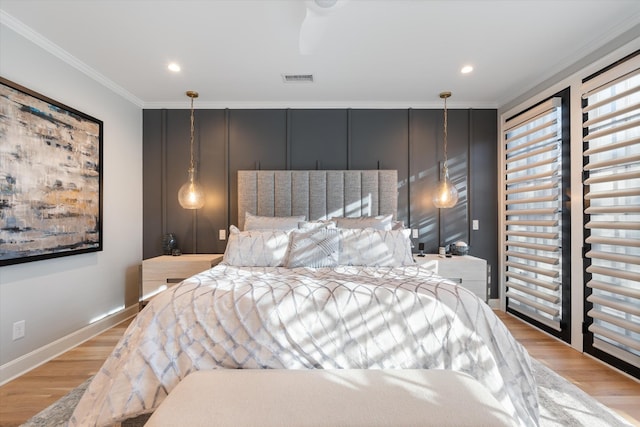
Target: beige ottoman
(328, 398)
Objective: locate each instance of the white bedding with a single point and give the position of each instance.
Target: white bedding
(302, 318)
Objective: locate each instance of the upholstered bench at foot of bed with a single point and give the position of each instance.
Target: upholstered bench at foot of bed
(314, 398)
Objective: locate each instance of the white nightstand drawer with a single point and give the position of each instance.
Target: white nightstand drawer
(465, 269)
(470, 272)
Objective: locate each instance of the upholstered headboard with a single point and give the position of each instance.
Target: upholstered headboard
(317, 194)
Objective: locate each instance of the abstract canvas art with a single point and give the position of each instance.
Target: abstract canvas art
(50, 178)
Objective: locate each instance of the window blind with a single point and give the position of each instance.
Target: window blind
(533, 206)
(611, 180)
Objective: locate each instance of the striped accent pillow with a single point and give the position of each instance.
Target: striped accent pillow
(315, 248)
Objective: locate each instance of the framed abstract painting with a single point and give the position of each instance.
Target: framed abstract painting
(50, 178)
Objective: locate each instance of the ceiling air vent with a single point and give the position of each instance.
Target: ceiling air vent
(297, 78)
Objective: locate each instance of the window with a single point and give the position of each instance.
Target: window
(611, 179)
(533, 220)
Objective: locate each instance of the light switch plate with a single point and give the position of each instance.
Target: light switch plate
(19, 329)
(475, 224)
(222, 234)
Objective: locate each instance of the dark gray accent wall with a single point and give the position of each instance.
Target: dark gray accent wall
(257, 140)
(317, 139)
(483, 190)
(424, 130)
(153, 149)
(379, 139)
(407, 140)
(454, 221)
(211, 143)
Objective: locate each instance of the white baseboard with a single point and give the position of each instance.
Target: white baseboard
(494, 303)
(29, 361)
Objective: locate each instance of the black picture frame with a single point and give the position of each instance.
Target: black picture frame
(51, 184)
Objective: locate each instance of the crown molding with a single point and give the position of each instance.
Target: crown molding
(221, 105)
(38, 39)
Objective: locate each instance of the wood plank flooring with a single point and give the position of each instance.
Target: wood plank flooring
(25, 396)
(30, 393)
(612, 388)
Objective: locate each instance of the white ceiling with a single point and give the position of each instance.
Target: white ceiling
(365, 53)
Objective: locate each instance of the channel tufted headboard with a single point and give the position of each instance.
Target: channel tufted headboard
(317, 194)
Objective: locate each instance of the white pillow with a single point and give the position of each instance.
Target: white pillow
(255, 248)
(314, 225)
(381, 222)
(381, 248)
(256, 222)
(315, 248)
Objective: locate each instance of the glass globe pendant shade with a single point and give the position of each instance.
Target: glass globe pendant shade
(190, 195)
(446, 195)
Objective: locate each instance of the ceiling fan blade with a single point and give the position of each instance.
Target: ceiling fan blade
(312, 32)
(314, 24)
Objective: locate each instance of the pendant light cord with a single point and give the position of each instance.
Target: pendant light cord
(445, 166)
(445, 135)
(191, 163)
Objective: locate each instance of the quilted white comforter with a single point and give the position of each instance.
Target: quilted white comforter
(344, 317)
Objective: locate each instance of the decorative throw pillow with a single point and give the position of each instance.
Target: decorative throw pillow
(370, 247)
(256, 222)
(315, 248)
(256, 248)
(381, 222)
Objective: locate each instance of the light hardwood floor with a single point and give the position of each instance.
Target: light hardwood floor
(610, 387)
(25, 396)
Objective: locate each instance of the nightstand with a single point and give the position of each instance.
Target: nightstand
(163, 271)
(468, 271)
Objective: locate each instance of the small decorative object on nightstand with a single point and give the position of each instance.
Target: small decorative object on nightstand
(468, 271)
(459, 248)
(169, 243)
(162, 272)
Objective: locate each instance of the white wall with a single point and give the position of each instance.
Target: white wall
(60, 298)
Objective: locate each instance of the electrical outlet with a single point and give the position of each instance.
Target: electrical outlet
(414, 233)
(222, 234)
(19, 329)
(475, 224)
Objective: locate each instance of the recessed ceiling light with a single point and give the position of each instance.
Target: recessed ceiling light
(174, 67)
(466, 69)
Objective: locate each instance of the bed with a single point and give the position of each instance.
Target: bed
(318, 275)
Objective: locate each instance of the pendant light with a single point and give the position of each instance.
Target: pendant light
(446, 195)
(191, 195)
